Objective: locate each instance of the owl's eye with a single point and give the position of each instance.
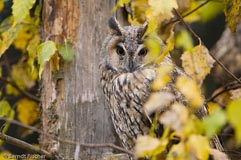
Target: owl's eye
(142, 52)
(120, 51)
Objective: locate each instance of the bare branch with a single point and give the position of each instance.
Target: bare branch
(24, 145)
(200, 41)
(87, 145)
(187, 14)
(223, 89)
(25, 93)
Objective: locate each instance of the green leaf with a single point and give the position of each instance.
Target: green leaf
(234, 118)
(5, 111)
(67, 51)
(20, 9)
(184, 40)
(8, 37)
(214, 122)
(153, 43)
(232, 11)
(45, 51)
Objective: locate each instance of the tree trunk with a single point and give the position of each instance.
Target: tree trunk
(73, 106)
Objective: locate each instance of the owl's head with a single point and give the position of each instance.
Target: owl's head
(125, 49)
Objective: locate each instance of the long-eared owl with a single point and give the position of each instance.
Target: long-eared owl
(126, 78)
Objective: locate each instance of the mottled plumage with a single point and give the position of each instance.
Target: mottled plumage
(126, 80)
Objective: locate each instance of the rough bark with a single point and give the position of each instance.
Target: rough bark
(73, 106)
(228, 51)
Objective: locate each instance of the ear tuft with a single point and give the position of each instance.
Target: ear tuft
(142, 29)
(115, 26)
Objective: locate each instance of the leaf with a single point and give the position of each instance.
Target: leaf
(232, 11)
(153, 43)
(139, 8)
(8, 37)
(4, 155)
(162, 7)
(120, 3)
(158, 102)
(197, 63)
(27, 111)
(217, 155)
(1, 5)
(210, 10)
(169, 41)
(163, 74)
(177, 152)
(175, 118)
(25, 34)
(190, 90)
(20, 9)
(67, 51)
(32, 55)
(5, 111)
(45, 51)
(145, 145)
(184, 40)
(10, 90)
(22, 77)
(199, 146)
(214, 122)
(234, 118)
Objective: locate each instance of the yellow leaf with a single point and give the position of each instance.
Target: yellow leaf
(198, 146)
(1, 5)
(120, 3)
(27, 111)
(25, 34)
(234, 118)
(139, 8)
(169, 46)
(184, 40)
(145, 145)
(190, 90)
(212, 107)
(217, 155)
(194, 16)
(210, 10)
(175, 118)
(8, 37)
(177, 152)
(162, 77)
(10, 90)
(22, 76)
(197, 63)
(162, 7)
(158, 102)
(5, 155)
(232, 11)
(153, 43)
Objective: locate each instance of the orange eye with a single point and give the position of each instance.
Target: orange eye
(120, 51)
(143, 52)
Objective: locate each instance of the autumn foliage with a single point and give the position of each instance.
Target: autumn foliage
(168, 30)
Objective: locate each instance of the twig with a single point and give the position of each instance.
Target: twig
(25, 93)
(24, 145)
(88, 145)
(200, 41)
(224, 89)
(188, 13)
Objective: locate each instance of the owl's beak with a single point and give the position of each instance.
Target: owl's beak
(131, 65)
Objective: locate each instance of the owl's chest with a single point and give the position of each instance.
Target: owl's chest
(131, 90)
